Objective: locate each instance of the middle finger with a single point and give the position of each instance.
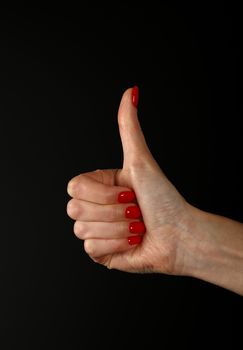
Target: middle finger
(88, 211)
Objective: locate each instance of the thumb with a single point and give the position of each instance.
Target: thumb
(133, 142)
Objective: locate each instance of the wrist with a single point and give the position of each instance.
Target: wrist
(199, 244)
(192, 249)
(215, 250)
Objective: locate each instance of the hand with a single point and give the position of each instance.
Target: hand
(100, 219)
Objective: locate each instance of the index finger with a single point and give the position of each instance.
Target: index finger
(88, 187)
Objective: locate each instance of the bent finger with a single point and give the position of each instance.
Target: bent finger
(96, 248)
(87, 211)
(97, 187)
(103, 230)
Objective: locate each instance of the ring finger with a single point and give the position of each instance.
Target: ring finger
(107, 230)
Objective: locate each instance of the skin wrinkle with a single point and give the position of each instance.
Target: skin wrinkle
(179, 240)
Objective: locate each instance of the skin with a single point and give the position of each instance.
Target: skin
(180, 239)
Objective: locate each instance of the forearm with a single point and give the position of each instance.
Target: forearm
(218, 251)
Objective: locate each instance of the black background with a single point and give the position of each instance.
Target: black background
(62, 73)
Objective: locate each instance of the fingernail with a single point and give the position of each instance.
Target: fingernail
(126, 196)
(134, 240)
(135, 96)
(137, 227)
(133, 212)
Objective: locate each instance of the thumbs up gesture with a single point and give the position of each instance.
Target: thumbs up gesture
(132, 219)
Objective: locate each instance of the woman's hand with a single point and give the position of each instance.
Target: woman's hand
(179, 239)
(100, 217)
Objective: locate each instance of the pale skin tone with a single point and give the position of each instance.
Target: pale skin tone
(180, 239)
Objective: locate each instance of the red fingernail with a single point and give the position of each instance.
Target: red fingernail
(137, 227)
(135, 95)
(134, 240)
(126, 196)
(133, 212)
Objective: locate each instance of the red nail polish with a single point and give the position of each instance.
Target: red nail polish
(133, 212)
(135, 95)
(126, 196)
(137, 227)
(134, 240)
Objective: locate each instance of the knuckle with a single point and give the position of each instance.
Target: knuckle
(113, 212)
(89, 247)
(72, 185)
(122, 229)
(76, 187)
(109, 196)
(118, 230)
(81, 188)
(80, 229)
(72, 208)
(119, 245)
